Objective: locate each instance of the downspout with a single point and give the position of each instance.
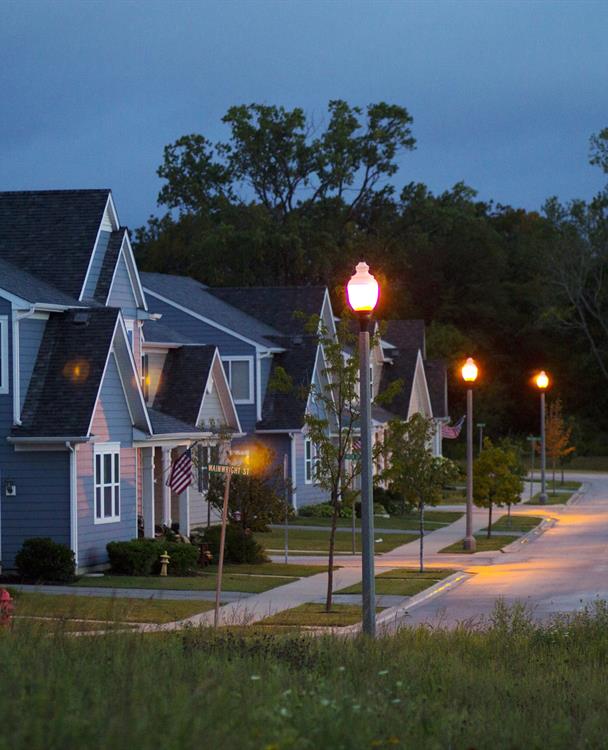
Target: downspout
(73, 501)
(16, 369)
(294, 501)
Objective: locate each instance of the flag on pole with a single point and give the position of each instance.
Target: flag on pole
(356, 445)
(452, 431)
(180, 476)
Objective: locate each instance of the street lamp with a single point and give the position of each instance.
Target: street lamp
(362, 291)
(542, 383)
(469, 375)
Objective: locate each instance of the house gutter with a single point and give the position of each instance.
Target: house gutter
(17, 440)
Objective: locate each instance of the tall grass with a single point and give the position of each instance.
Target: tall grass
(513, 685)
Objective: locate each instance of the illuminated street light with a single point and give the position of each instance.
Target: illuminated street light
(469, 371)
(542, 383)
(362, 291)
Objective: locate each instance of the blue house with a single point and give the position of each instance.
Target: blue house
(84, 454)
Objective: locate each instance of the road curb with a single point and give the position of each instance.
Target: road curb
(531, 536)
(578, 495)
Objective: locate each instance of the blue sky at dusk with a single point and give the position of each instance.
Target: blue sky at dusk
(504, 95)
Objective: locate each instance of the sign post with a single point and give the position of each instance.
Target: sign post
(229, 470)
(285, 476)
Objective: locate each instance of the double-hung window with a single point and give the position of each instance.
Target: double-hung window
(309, 461)
(107, 482)
(239, 371)
(3, 354)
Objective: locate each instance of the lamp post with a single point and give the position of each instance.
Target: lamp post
(542, 383)
(469, 375)
(362, 291)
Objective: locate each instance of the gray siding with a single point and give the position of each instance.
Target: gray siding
(306, 494)
(30, 336)
(111, 423)
(96, 264)
(121, 293)
(42, 504)
(202, 333)
(212, 412)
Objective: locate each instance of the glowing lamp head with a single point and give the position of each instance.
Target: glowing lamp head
(362, 290)
(469, 371)
(542, 380)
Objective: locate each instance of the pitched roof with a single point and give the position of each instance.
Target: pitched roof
(285, 410)
(106, 274)
(436, 379)
(51, 233)
(197, 297)
(67, 374)
(406, 335)
(23, 284)
(165, 424)
(182, 382)
(286, 308)
(403, 368)
(157, 333)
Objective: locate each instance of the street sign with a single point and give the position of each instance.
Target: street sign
(533, 438)
(352, 456)
(228, 469)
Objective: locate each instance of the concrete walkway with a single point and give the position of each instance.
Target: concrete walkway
(227, 596)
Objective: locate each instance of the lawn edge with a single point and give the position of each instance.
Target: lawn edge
(530, 536)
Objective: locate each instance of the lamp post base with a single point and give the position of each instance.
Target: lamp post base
(542, 498)
(470, 544)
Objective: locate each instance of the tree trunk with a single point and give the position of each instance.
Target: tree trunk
(330, 560)
(422, 537)
(490, 520)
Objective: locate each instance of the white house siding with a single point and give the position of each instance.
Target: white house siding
(212, 412)
(99, 254)
(111, 423)
(121, 293)
(307, 494)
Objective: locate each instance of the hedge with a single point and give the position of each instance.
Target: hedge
(141, 557)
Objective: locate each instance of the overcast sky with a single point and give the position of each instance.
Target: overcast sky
(504, 95)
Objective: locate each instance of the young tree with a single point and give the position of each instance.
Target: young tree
(496, 479)
(557, 435)
(411, 469)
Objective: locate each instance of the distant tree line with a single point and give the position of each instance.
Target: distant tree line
(286, 200)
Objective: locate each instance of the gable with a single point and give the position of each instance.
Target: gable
(212, 412)
(112, 419)
(420, 402)
(99, 254)
(122, 293)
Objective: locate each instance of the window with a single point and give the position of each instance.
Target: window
(145, 377)
(309, 461)
(129, 325)
(3, 354)
(107, 482)
(239, 371)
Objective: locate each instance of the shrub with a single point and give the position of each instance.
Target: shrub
(42, 559)
(394, 503)
(240, 546)
(324, 510)
(141, 557)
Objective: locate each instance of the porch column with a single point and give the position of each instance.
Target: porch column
(147, 470)
(166, 469)
(184, 512)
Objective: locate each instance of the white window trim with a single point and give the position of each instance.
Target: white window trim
(309, 462)
(101, 449)
(4, 353)
(130, 326)
(227, 370)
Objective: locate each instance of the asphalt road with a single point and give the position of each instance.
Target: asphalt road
(563, 570)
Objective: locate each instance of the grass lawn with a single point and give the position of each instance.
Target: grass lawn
(306, 541)
(515, 523)
(553, 498)
(105, 608)
(433, 519)
(514, 684)
(315, 615)
(402, 582)
(495, 542)
(250, 579)
(61, 625)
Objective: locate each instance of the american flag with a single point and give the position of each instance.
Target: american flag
(356, 445)
(451, 431)
(180, 476)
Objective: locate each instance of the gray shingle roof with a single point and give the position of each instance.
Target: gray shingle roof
(23, 284)
(285, 411)
(436, 378)
(406, 334)
(109, 264)
(276, 306)
(198, 298)
(67, 374)
(51, 233)
(157, 333)
(403, 368)
(165, 424)
(182, 382)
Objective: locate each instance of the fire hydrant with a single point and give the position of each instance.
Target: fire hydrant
(164, 562)
(6, 609)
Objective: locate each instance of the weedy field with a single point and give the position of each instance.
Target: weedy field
(514, 684)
